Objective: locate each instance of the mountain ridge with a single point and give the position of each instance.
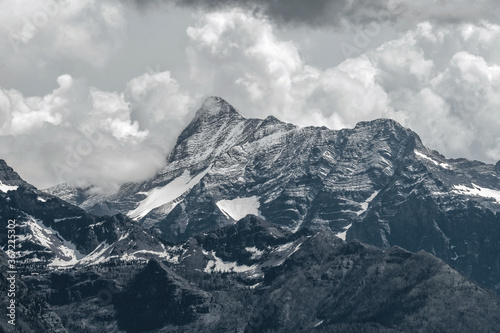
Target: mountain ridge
(374, 183)
(249, 276)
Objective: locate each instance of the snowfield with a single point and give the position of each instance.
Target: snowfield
(477, 191)
(342, 235)
(6, 188)
(239, 208)
(218, 265)
(425, 157)
(160, 196)
(364, 205)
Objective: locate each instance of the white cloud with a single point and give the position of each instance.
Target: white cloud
(81, 134)
(439, 81)
(236, 55)
(239, 57)
(32, 36)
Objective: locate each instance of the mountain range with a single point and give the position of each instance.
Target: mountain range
(376, 183)
(256, 225)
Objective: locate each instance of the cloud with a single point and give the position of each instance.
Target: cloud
(39, 39)
(238, 56)
(438, 80)
(79, 134)
(321, 13)
(234, 54)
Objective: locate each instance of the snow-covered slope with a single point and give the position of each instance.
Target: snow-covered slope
(161, 196)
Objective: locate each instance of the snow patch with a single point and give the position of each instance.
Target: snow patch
(102, 254)
(284, 247)
(96, 224)
(67, 218)
(285, 251)
(364, 205)
(240, 207)
(477, 191)
(442, 165)
(136, 256)
(342, 235)
(65, 252)
(256, 253)
(97, 256)
(6, 188)
(218, 265)
(122, 237)
(255, 285)
(163, 195)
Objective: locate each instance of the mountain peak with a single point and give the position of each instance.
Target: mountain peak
(214, 106)
(380, 122)
(8, 176)
(386, 125)
(213, 113)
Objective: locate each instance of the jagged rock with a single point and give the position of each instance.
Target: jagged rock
(9, 177)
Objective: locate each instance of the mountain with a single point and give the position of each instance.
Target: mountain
(255, 277)
(53, 233)
(249, 276)
(225, 166)
(376, 183)
(32, 313)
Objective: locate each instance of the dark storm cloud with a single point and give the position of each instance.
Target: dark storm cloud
(323, 13)
(314, 13)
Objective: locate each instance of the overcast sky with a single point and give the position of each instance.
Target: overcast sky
(97, 91)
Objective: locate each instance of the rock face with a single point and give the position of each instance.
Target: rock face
(344, 285)
(9, 177)
(376, 183)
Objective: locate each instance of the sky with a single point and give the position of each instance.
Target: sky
(96, 92)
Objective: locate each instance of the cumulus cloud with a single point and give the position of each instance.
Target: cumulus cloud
(50, 36)
(82, 135)
(439, 81)
(233, 54)
(238, 56)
